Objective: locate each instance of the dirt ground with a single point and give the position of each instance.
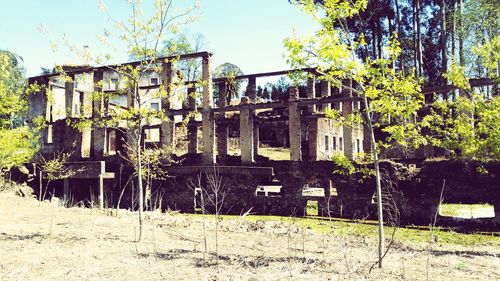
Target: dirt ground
(49, 242)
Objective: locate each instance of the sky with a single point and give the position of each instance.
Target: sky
(248, 33)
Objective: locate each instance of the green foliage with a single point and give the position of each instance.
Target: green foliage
(12, 84)
(343, 165)
(468, 127)
(54, 167)
(17, 146)
(393, 98)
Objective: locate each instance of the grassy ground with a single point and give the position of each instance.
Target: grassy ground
(273, 153)
(48, 242)
(467, 211)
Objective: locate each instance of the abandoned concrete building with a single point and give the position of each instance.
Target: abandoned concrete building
(97, 152)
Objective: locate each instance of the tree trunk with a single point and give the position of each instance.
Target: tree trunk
(414, 33)
(419, 40)
(453, 14)
(444, 58)
(460, 35)
(381, 239)
(139, 170)
(400, 36)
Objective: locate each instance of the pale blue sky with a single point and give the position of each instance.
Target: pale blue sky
(248, 33)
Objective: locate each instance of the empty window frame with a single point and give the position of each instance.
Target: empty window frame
(327, 141)
(155, 106)
(113, 84)
(154, 81)
(334, 143)
(112, 142)
(341, 143)
(152, 135)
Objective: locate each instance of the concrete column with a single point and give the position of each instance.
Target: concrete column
(252, 94)
(208, 124)
(97, 101)
(311, 93)
(69, 89)
(294, 125)
(326, 91)
(167, 124)
(208, 135)
(66, 191)
(348, 130)
(246, 133)
(256, 135)
(314, 140)
(101, 191)
(207, 83)
(191, 127)
(252, 88)
(222, 129)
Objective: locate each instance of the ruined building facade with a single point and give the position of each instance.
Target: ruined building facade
(98, 152)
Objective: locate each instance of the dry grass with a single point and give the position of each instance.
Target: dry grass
(49, 242)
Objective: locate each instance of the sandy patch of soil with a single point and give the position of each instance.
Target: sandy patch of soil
(49, 242)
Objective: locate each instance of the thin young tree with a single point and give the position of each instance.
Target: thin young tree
(390, 98)
(143, 34)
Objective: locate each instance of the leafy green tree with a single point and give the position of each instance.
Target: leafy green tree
(17, 143)
(230, 71)
(390, 98)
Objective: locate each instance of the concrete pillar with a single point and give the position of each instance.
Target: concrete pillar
(167, 124)
(208, 124)
(191, 127)
(252, 88)
(326, 91)
(66, 191)
(101, 191)
(97, 101)
(256, 135)
(314, 140)
(222, 129)
(294, 125)
(252, 94)
(348, 130)
(208, 135)
(69, 88)
(246, 133)
(311, 93)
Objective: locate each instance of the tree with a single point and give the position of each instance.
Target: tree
(184, 44)
(229, 71)
(390, 98)
(17, 142)
(143, 35)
